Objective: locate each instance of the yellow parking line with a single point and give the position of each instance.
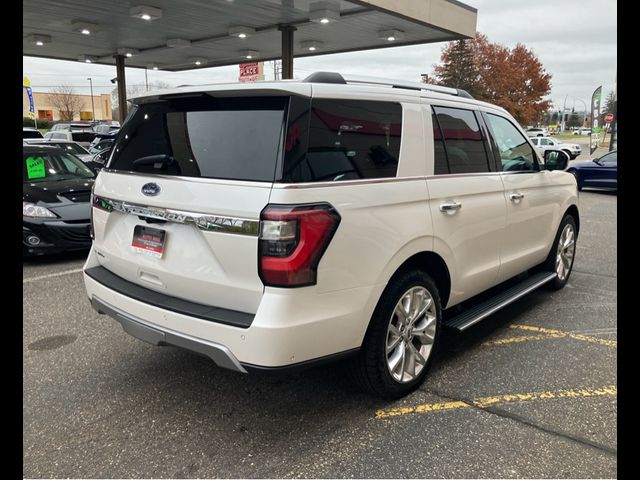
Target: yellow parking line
(559, 333)
(608, 391)
(521, 338)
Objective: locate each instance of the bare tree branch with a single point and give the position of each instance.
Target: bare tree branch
(65, 99)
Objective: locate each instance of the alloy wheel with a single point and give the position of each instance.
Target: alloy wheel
(410, 335)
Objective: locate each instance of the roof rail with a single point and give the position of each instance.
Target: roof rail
(334, 77)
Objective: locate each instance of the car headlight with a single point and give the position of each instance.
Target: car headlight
(31, 210)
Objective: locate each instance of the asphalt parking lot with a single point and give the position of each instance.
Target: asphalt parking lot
(530, 392)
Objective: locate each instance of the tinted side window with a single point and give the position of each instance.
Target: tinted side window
(463, 140)
(515, 152)
(440, 165)
(349, 140)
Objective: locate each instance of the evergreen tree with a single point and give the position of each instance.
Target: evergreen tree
(458, 69)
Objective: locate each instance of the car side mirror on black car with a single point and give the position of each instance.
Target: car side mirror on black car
(555, 160)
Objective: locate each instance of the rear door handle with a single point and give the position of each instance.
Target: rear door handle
(517, 196)
(450, 207)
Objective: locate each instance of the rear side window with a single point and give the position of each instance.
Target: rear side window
(440, 165)
(347, 140)
(463, 142)
(202, 136)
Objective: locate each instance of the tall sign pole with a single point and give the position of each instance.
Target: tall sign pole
(594, 137)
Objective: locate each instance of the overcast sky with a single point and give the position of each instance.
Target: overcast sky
(574, 39)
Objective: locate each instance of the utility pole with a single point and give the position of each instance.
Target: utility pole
(564, 107)
(93, 108)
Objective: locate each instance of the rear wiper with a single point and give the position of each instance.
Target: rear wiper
(158, 161)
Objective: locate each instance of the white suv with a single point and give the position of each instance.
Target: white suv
(548, 143)
(278, 224)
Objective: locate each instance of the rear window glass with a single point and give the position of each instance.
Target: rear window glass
(82, 136)
(31, 134)
(347, 140)
(226, 138)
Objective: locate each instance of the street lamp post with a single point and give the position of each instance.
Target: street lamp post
(585, 109)
(93, 108)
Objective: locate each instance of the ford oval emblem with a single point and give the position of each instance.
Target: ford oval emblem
(151, 189)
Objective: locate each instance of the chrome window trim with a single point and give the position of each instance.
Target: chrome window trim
(204, 221)
(285, 186)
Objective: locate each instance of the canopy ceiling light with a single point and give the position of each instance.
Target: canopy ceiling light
(39, 40)
(324, 12)
(145, 12)
(311, 45)
(128, 52)
(198, 60)
(153, 66)
(178, 43)
(391, 35)
(249, 54)
(87, 59)
(241, 32)
(85, 28)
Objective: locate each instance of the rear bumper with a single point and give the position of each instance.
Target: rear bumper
(154, 335)
(291, 328)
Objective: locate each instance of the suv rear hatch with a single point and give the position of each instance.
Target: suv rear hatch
(190, 174)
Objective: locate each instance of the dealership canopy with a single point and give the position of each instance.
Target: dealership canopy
(187, 34)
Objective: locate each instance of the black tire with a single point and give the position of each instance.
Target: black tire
(550, 262)
(369, 369)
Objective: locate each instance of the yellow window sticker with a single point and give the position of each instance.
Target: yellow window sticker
(35, 167)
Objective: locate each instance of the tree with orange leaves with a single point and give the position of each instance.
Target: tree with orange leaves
(512, 78)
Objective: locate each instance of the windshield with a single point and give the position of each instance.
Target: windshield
(52, 167)
(73, 148)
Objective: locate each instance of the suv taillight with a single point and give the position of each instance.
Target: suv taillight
(293, 239)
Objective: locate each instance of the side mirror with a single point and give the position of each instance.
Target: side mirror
(556, 160)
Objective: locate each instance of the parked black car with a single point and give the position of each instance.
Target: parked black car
(56, 192)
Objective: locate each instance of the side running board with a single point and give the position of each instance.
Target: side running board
(482, 310)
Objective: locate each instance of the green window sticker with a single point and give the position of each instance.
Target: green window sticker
(35, 167)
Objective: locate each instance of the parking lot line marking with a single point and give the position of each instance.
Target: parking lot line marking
(522, 338)
(607, 391)
(51, 275)
(559, 333)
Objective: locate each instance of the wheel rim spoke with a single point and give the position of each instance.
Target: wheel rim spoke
(394, 343)
(426, 333)
(410, 363)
